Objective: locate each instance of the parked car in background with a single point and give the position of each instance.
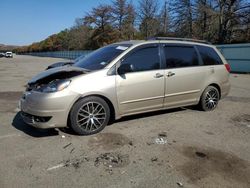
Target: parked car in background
(126, 78)
(9, 54)
(60, 64)
(2, 54)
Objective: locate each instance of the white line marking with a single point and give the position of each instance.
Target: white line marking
(55, 167)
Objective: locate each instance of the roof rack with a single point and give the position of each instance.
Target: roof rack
(180, 39)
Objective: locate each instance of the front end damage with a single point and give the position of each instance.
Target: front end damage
(46, 102)
(50, 76)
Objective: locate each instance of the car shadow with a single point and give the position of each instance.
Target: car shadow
(34, 132)
(20, 125)
(150, 114)
(69, 131)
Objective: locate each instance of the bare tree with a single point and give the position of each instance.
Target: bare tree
(164, 19)
(128, 30)
(147, 13)
(183, 13)
(119, 12)
(230, 12)
(99, 17)
(204, 24)
(124, 17)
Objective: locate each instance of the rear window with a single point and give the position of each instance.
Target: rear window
(180, 56)
(209, 56)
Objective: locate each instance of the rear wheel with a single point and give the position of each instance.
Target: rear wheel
(89, 115)
(210, 98)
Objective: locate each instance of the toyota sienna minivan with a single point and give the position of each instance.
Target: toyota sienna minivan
(126, 78)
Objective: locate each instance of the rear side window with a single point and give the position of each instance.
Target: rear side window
(209, 56)
(144, 59)
(180, 56)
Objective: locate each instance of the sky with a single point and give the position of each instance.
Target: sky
(23, 22)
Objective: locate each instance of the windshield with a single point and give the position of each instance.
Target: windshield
(79, 58)
(101, 57)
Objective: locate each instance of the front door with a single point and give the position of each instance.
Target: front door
(142, 89)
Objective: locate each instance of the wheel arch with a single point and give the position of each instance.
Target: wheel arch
(106, 99)
(217, 87)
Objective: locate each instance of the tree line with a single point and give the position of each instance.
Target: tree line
(217, 21)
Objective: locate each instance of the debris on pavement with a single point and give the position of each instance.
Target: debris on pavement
(64, 147)
(154, 159)
(180, 184)
(130, 143)
(200, 154)
(149, 143)
(63, 136)
(55, 167)
(123, 172)
(76, 163)
(160, 141)
(109, 170)
(162, 134)
(112, 160)
(72, 150)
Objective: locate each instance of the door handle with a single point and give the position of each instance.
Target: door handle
(158, 75)
(170, 74)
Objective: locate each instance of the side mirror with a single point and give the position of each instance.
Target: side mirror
(125, 68)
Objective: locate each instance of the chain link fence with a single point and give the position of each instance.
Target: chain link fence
(59, 54)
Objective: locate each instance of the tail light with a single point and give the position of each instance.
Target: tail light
(228, 67)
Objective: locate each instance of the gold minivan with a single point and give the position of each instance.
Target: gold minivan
(126, 78)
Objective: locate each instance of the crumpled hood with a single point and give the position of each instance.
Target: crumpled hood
(57, 73)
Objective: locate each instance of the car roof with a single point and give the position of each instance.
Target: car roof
(130, 42)
(173, 41)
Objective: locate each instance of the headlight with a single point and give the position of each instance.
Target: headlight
(54, 86)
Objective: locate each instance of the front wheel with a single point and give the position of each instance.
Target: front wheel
(89, 115)
(209, 98)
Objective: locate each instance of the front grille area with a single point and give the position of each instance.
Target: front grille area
(29, 87)
(35, 119)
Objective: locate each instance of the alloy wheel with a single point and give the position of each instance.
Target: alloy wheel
(211, 99)
(91, 116)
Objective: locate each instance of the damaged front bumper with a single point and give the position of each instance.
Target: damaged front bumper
(47, 110)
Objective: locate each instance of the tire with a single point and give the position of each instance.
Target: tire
(89, 115)
(209, 99)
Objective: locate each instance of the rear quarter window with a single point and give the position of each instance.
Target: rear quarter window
(209, 56)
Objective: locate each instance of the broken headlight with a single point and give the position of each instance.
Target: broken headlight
(54, 86)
